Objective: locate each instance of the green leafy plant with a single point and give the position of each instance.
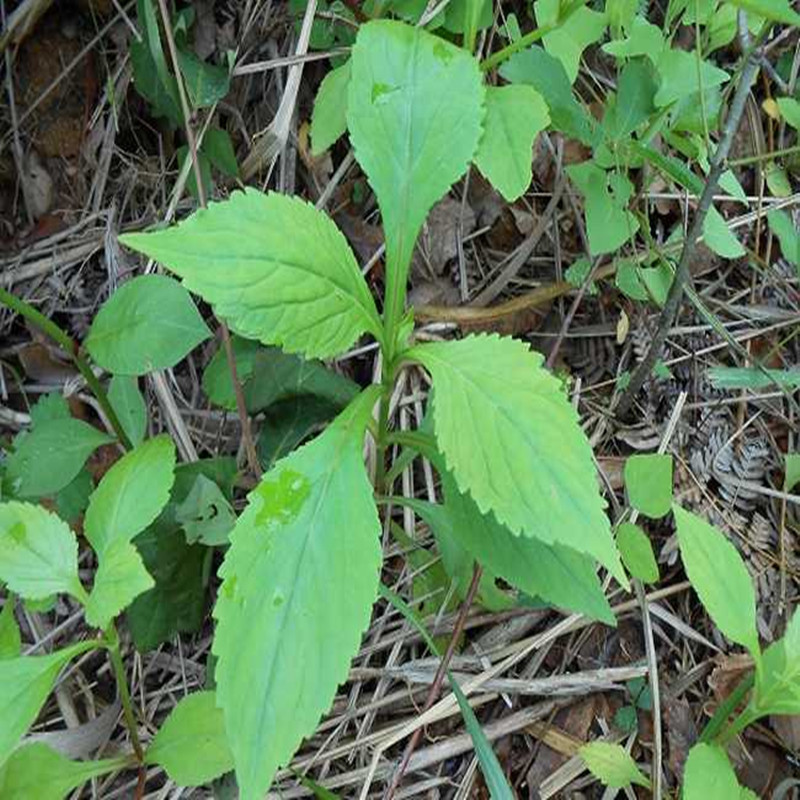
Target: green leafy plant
(302, 570)
(520, 516)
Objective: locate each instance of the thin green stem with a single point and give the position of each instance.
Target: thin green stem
(742, 162)
(530, 38)
(70, 346)
(737, 726)
(112, 643)
(726, 708)
(383, 432)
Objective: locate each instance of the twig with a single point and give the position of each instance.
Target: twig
(551, 359)
(438, 679)
(241, 407)
(672, 304)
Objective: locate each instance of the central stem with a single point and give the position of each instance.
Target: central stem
(112, 642)
(387, 384)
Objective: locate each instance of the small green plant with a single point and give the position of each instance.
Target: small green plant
(39, 561)
(723, 584)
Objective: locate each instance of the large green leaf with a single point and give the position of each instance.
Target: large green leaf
(63, 445)
(612, 764)
(554, 573)
(25, 683)
(547, 75)
(120, 578)
(414, 114)
(778, 681)
(514, 117)
(275, 267)
(37, 772)
(38, 552)
(719, 577)
(708, 775)
(149, 323)
(131, 494)
(191, 744)
(329, 120)
(570, 38)
(680, 76)
(512, 440)
(300, 578)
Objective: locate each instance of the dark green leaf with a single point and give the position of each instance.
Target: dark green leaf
(217, 383)
(72, 500)
(205, 83)
(279, 376)
(151, 77)
(289, 422)
(218, 147)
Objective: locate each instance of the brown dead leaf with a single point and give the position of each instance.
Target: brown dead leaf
(788, 728)
(438, 240)
(42, 363)
(573, 722)
(681, 731)
(728, 673)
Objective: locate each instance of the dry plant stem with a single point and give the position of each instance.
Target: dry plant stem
(672, 304)
(436, 686)
(71, 348)
(241, 407)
